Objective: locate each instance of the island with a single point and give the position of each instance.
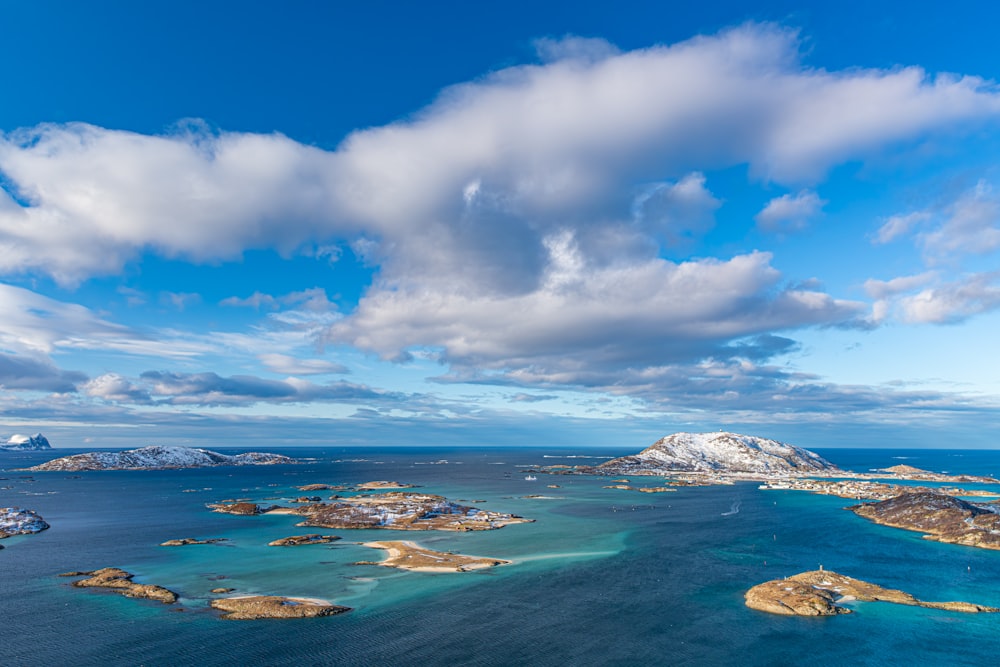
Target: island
(253, 607)
(185, 541)
(718, 452)
(382, 484)
(17, 521)
(821, 592)
(120, 581)
(941, 517)
(400, 510)
(156, 457)
(25, 443)
(410, 556)
(299, 540)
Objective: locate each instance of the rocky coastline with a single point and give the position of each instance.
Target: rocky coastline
(940, 517)
(156, 457)
(17, 521)
(300, 540)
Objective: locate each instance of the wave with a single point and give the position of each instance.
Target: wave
(733, 509)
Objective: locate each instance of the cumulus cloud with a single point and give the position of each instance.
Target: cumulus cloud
(789, 213)
(952, 301)
(116, 389)
(502, 218)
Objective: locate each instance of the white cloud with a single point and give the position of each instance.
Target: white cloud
(674, 211)
(789, 213)
(953, 301)
(287, 365)
(900, 225)
(971, 225)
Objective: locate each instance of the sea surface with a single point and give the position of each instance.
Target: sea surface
(602, 577)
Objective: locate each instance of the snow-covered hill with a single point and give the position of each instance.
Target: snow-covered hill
(719, 452)
(26, 442)
(155, 457)
(17, 521)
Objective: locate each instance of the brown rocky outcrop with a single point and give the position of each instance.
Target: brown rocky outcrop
(272, 606)
(299, 540)
(121, 582)
(817, 593)
(185, 541)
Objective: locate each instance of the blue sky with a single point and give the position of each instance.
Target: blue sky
(513, 223)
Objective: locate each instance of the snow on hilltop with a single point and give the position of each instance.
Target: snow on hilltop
(719, 452)
(16, 521)
(26, 442)
(154, 457)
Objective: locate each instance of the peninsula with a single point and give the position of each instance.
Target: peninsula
(410, 556)
(941, 517)
(821, 593)
(156, 457)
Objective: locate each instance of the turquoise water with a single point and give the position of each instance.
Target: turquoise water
(602, 577)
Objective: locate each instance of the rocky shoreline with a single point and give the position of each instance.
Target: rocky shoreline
(940, 517)
(257, 607)
(120, 581)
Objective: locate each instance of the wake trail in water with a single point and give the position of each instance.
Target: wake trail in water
(733, 509)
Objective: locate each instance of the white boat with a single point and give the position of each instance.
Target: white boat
(530, 478)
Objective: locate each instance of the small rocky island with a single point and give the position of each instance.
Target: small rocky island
(185, 541)
(254, 607)
(941, 517)
(157, 457)
(17, 521)
(821, 593)
(410, 556)
(300, 540)
(120, 581)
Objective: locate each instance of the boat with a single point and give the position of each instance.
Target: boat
(530, 478)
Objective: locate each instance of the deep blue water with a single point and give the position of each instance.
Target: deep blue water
(603, 576)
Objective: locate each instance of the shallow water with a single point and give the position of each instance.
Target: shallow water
(603, 576)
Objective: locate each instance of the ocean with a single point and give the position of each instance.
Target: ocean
(602, 577)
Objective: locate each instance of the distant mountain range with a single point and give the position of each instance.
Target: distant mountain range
(25, 443)
(157, 457)
(718, 452)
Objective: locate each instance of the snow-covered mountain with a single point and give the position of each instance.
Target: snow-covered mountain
(718, 452)
(155, 456)
(26, 442)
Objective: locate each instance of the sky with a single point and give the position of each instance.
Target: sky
(506, 224)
